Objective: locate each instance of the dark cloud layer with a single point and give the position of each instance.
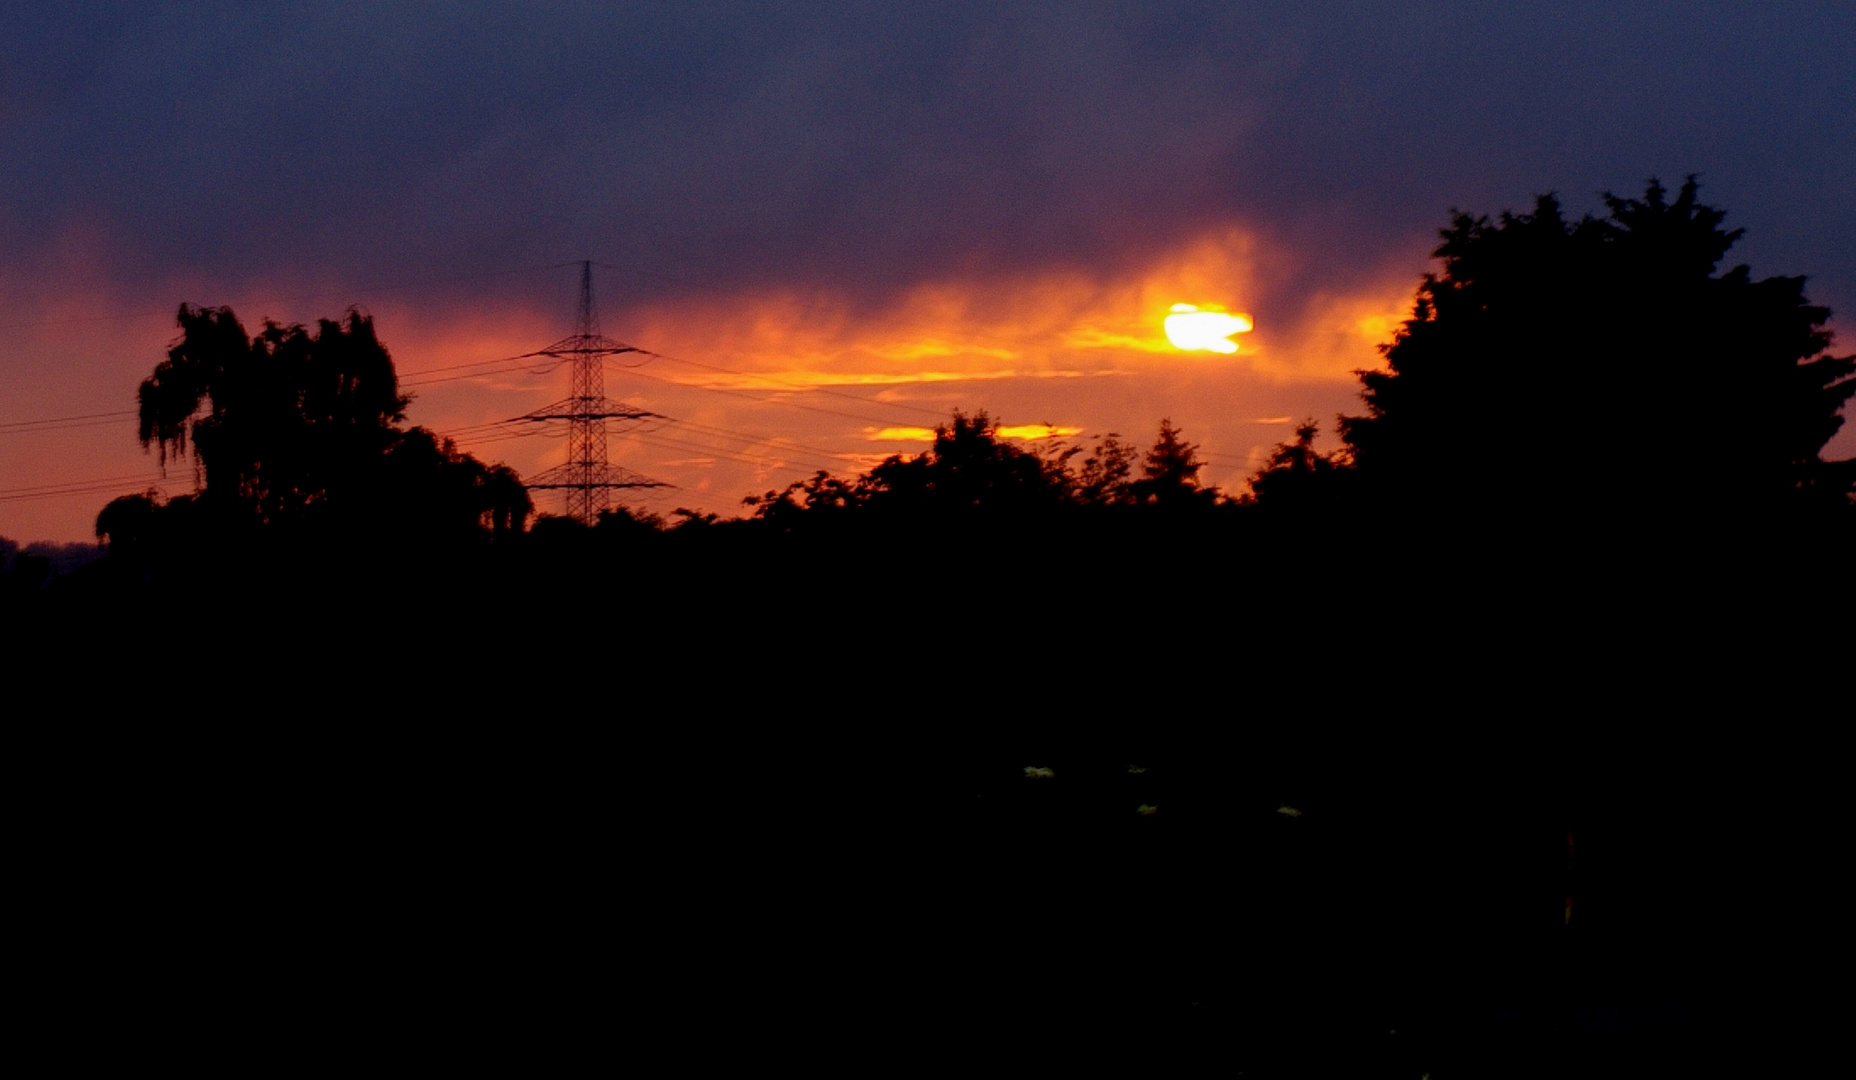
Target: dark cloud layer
(865, 147)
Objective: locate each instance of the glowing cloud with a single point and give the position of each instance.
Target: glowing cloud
(1205, 329)
(1037, 431)
(1004, 431)
(900, 434)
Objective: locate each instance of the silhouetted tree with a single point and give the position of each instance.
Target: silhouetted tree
(625, 521)
(1170, 473)
(1297, 476)
(309, 474)
(968, 469)
(289, 416)
(505, 501)
(1604, 364)
(1104, 479)
(301, 429)
(125, 522)
(817, 495)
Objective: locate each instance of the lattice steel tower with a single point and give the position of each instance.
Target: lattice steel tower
(586, 476)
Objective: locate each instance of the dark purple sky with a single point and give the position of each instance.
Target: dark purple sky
(851, 194)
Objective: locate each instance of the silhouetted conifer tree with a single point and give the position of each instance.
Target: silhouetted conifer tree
(1297, 477)
(1170, 473)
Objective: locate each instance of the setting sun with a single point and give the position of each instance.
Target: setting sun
(1205, 329)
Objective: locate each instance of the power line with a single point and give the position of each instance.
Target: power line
(81, 487)
(511, 368)
(473, 363)
(62, 419)
(685, 445)
(24, 430)
(767, 401)
(743, 436)
(65, 483)
(804, 387)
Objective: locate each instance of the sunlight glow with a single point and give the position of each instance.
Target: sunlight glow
(1207, 329)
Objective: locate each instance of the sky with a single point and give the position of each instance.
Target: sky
(831, 224)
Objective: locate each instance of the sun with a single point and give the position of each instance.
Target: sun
(1206, 329)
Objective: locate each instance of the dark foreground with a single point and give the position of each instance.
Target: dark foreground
(427, 834)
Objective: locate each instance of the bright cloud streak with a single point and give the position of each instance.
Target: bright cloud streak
(1027, 432)
(1033, 432)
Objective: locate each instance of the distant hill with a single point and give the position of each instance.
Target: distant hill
(63, 558)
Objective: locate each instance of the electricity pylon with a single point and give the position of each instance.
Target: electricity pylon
(586, 476)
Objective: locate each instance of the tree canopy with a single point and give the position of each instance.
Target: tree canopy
(1605, 364)
(969, 472)
(300, 432)
(288, 414)
(968, 468)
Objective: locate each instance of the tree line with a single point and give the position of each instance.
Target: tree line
(1589, 399)
(1588, 380)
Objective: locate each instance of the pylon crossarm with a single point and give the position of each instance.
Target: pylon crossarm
(576, 474)
(613, 486)
(571, 409)
(578, 345)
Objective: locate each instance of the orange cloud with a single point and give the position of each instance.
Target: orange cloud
(1058, 323)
